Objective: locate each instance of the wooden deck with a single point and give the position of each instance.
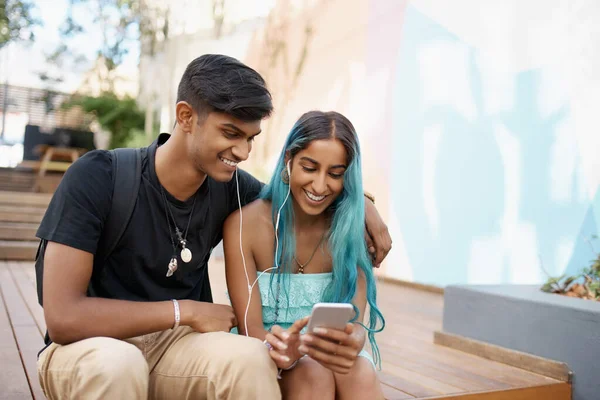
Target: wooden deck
(413, 366)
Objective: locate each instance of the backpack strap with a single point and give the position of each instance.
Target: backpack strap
(127, 174)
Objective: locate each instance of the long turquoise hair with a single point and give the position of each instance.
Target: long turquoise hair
(346, 240)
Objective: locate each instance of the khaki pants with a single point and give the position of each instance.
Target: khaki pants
(173, 364)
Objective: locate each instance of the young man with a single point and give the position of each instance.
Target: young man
(140, 323)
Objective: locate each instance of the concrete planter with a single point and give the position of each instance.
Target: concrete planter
(522, 318)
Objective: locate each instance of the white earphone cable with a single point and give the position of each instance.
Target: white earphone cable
(251, 286)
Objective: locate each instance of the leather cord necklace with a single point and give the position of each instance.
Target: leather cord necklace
(186, 253)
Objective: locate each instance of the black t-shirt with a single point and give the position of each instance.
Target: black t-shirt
(136, 270)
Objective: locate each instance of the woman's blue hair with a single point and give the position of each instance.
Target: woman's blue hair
(346, 240)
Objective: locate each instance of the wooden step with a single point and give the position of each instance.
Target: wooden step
(20, 217)
(25, 198)
(17, 179)
(18, 250)
(18, 230)
(18, 188)
(11, 213)
(553, 391)
(16, 175)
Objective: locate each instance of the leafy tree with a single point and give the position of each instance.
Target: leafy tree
(16, 21)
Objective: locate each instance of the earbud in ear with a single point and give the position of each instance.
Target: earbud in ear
(288, 167)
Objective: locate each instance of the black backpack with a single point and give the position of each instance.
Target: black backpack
(127, 173)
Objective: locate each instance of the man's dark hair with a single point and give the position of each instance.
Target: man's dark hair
(215, 82)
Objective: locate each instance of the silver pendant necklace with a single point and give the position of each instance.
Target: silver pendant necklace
(186, 253)
(172, 266)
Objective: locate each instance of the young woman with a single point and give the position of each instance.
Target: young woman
(302, 243)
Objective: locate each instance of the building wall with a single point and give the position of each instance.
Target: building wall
(476, 120)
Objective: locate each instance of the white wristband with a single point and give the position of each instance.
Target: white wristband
(177, 314)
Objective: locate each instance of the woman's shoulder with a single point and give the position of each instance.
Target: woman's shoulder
(256, 213)
(259, 207)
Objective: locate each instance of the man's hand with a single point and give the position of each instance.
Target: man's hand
(284, 343)
(207, 317)
(334, 349)
(377, 236)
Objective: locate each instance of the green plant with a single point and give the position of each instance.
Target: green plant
(585, 285)
(121, 117)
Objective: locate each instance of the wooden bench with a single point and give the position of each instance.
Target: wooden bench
(48, 155)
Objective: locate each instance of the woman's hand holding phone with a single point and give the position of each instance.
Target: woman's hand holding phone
(334, 349)
(285, 342)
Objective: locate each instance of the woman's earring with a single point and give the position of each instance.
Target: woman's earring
(285, 177)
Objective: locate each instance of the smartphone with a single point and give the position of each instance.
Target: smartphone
(330, 315)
